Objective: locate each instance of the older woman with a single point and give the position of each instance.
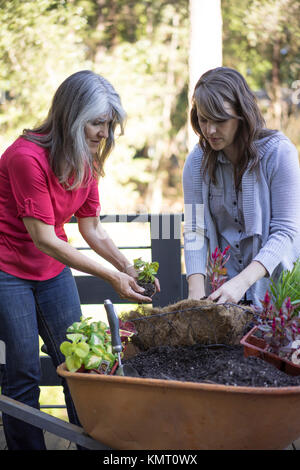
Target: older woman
(242, 188)
(47, 175)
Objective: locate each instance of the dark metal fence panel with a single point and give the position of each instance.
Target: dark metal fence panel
(166, 249)
(93, 290)
(165, 231)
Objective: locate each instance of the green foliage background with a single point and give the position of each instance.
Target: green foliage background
(142, 48)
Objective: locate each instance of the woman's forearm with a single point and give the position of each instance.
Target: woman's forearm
(252, 273)
(196, 286)
(103, 245)
(45, 239)
(70, 256)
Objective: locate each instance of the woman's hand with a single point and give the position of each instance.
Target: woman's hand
(46, 240)
(127, 287)
(132, 272)
(96, 237)
(234, 289)
(231, 291)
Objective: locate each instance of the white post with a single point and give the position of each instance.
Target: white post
(205, 44)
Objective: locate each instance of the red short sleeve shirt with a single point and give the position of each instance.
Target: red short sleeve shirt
(29, 188)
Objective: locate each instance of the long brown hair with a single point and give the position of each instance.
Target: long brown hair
(215, 87)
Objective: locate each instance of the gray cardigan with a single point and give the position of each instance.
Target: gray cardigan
(271, 209)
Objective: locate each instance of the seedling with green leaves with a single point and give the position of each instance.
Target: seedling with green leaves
(146, 275)
(146, 271)
(89, 346)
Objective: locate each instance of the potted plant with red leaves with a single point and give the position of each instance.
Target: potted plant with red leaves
(127, 330)
(216, 270)
(89, 348)
(146, 275)
(276, 334)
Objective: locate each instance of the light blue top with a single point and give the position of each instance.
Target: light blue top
(260, 222)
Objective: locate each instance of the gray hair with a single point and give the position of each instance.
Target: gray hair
(82, 97)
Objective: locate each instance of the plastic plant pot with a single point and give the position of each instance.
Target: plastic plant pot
(255, 346)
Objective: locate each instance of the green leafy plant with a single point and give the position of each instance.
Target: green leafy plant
(146, 271)
(74, 352)
(89, 346)
(287, 286)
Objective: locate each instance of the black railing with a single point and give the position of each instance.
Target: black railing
(165, 245)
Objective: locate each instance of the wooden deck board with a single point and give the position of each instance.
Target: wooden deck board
(53, 442)
(58, 431)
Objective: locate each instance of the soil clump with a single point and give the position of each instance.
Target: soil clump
(149, 288)
(189, 322)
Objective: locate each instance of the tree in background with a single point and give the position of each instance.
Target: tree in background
(149, 50)
(39, 47)
(262, 40)
(142, 48)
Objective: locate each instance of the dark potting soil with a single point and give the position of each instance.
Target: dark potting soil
(214, 364)
(149, 288)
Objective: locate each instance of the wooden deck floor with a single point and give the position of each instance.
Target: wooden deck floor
(52, 442)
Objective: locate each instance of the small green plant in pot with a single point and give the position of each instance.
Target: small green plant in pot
(146, 275)
(89, 348)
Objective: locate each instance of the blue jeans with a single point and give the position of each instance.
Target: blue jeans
(29, 309)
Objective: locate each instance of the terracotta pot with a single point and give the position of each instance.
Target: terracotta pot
(254, 346)
(135, 413)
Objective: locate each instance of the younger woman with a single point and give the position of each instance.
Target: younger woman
(241, 188)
